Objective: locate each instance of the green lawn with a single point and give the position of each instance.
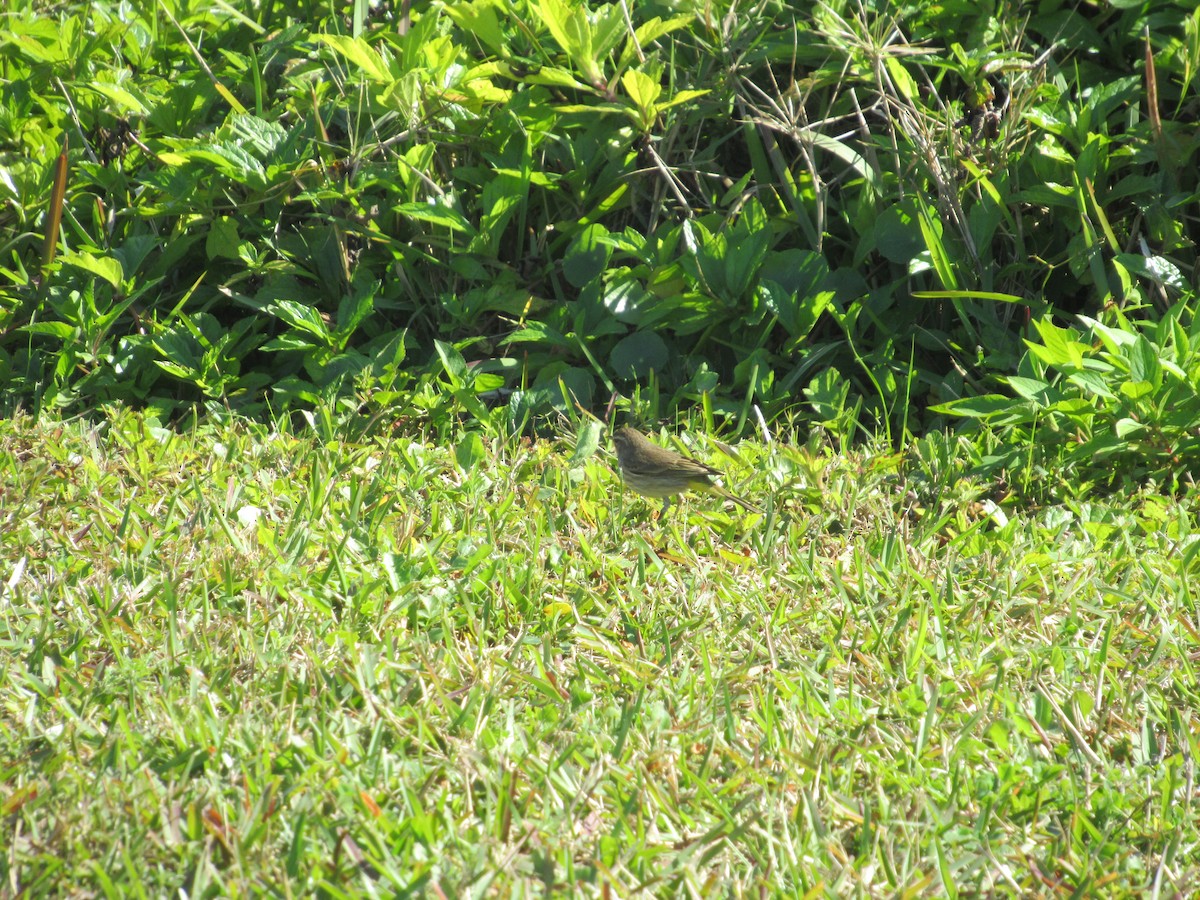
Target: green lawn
(237, 663)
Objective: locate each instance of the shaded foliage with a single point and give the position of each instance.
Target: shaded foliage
(858, 208)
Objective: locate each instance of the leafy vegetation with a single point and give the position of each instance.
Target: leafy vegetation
(1120, 406)
(866, 201)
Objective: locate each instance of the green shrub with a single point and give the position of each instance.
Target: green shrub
(753, 205)
(1109, 405)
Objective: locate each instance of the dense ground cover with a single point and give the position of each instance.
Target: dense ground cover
(863, 209)
(237, 662)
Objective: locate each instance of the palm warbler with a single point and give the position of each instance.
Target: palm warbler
(654, 472)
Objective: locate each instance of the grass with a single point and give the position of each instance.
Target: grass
(236, 662)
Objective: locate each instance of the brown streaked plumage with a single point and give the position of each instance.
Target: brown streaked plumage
(654, 472)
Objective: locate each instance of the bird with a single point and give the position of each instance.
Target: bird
(654, 472)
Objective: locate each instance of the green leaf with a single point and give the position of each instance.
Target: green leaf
(1030, 388)
(1091, 382)
(931, 232)
(1129, 428)
(744, 254)
(649, 32)
(301, 316)
(470, 451)
(480, 20)
(61, 330)
(106, 267)
(538, 333)
(587, 442)
(827, 395)
(1144, 364)
(1058, 347)
(452, 362)
(587, 256)
(127, 102)
(571, 30)
(574, 385)
(353, 309)
(552, 76)
(625, 298)
(1136, 390)
(900, 78)
(359, 53)
(222, 240)
(897, 236)
(1155, 269)
(638, 355)
(643, 91)
(981, 407)
(681, 97)
(792, 286)
(436, 214)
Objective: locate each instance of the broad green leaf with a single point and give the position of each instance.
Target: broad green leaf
(568, 23)
(538, 333)
(981, 407)
(587, 256)
(1058, 347)
(479, 18)
(681, 97)
(649, 32)
(360, 54)
(846, 154)
(896, 235)
(222, 240)
(487, 381)
(106, 267)
(791, 284)
(436, 214)
(1143, 363)
(470, 451)
(1030, 388)
(235, 161)
(264, 138)
(625, 297)
(118, 95)
(638, 355)
(587, 442)
(468, 400)
(609, 24)
(900, 78)
(1136, 390)
(452, 362)
(60, 330)
(642, 90)
(1156, 269)
(1129, 428)
(652, 29)
(744, 255)
(1113, 338)
(301, 316)
(552, 76)
(291, 341)
(1092, 382)
(353, 309)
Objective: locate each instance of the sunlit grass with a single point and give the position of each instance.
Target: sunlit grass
(244, 661)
